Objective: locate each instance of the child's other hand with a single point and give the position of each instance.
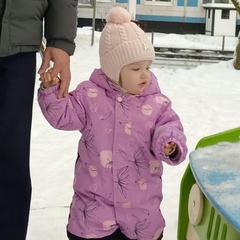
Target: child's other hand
(169, 148)
(47, 80)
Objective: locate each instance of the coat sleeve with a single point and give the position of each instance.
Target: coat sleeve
(66, 113)
(169, 128)
(61, 24)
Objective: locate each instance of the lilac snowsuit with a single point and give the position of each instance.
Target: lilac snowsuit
(119, 167)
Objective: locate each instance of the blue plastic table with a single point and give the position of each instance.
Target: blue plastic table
(216, 169)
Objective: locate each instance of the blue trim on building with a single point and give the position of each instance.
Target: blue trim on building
(195, 20)
(169, 18)
(180, 3)
(121, 1)
(238, 21)
(192, 3)
(126, 1)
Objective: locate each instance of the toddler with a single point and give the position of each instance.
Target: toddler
(127, 129)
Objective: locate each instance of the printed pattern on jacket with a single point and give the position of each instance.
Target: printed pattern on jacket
(118, 171)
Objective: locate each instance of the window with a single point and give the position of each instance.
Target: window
(216, 1)
(222, 1)
(225, 14)
(207, 1)
(85, 2)
(209, 13)
(158, 2)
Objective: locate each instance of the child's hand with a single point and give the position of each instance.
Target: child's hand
(47, 80)
(169, 148)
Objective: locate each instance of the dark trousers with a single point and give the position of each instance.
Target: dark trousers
(117, 235)
(17, 78)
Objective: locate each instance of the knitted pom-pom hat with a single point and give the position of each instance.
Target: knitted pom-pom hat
(122, 42)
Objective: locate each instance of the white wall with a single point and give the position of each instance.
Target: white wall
(208, 24)
(225, 27)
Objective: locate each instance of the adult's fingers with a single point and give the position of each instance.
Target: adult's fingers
(65, 77)
(45, 62)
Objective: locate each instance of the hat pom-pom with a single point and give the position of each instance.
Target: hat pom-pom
(118, 15)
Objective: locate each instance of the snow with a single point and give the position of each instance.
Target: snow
(206, 99)
(218, 167)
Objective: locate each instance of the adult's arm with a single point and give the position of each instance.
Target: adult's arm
(61, 24)
(60, 32)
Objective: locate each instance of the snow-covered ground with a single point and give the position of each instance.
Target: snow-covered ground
(206, 98)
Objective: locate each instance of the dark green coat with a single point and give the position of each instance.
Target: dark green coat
(24, 21)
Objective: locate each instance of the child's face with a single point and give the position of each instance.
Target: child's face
(135, 77)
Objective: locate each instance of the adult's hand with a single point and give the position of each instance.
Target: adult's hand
(61, 67)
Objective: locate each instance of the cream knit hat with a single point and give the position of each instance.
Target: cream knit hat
(122, 42)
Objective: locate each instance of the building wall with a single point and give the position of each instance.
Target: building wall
(225, 26)
(179, 16)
